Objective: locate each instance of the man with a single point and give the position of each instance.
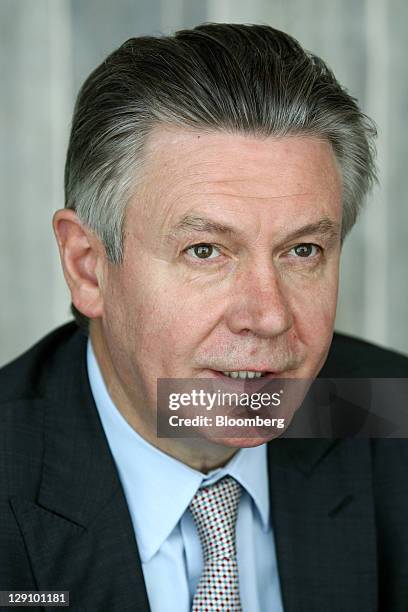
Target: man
(211, 179)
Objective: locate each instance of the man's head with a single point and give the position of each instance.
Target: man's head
(233, 138)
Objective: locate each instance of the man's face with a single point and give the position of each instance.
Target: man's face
(231, 257)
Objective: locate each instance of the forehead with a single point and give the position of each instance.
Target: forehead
(186, 170)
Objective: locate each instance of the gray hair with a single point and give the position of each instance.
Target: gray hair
(249, 79)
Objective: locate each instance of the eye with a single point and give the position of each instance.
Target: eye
(203, 251)
(305, 250)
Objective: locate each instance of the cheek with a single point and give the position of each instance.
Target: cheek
(157, 318)
(313, 305)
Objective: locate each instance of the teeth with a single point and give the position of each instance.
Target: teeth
(244, 374)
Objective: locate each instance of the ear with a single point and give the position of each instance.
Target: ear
(83, 262)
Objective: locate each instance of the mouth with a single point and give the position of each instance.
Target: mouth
(246, 374)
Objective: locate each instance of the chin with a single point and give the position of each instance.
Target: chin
(243, 442)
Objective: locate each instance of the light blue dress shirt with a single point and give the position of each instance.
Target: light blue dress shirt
(159, 489)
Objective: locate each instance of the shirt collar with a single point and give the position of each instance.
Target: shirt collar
(148, 475)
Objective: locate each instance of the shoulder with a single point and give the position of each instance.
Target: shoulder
(29, 385)
(35, 373)
(352, 357)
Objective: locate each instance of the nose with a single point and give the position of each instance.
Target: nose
(259, 303)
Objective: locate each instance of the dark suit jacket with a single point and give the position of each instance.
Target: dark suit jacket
(339, 508)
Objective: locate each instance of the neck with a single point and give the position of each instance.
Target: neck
(197, 453)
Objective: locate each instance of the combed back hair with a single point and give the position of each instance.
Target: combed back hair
(246, 79)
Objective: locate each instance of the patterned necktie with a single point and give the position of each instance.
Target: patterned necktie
(215, 510)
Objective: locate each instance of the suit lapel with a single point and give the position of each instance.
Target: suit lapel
(79, 534)
(323, 520)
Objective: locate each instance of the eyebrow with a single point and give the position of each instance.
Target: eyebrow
(325, 227)
(200, 224)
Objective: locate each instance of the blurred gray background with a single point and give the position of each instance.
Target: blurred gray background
(48, 47)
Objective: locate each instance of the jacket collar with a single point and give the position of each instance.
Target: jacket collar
(79, 477)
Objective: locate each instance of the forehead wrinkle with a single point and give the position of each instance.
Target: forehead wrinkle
(214, 187)
(256, 196)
